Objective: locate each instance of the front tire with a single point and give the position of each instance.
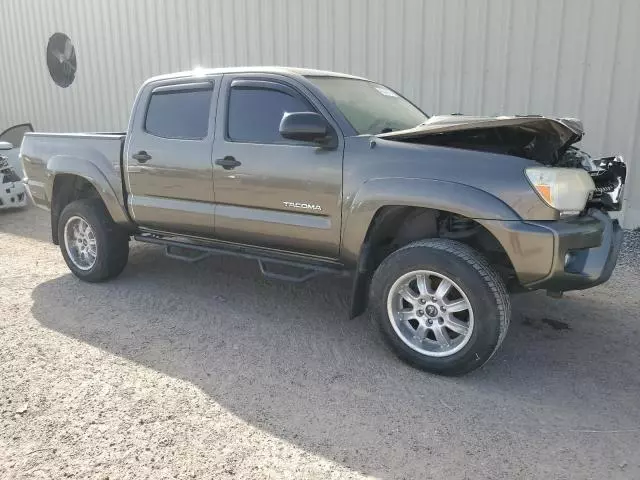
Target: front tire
(93, 246)
(440, 306)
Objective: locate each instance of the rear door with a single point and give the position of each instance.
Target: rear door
(168, 165)
(271, 191)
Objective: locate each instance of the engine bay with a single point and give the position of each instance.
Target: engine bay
(547, 141)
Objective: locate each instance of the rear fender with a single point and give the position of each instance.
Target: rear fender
(64, 164)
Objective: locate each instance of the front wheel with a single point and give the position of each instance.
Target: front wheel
(93, 246)
(440, 306)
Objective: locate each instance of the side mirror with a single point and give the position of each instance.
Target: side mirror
(6, 146)
(304, 126)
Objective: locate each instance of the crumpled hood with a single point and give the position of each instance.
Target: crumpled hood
(562, 132)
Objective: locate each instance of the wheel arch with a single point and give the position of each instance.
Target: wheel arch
(407, 210)
(71, 178)
(436, 195)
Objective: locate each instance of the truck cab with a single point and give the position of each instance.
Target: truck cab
(204, 156)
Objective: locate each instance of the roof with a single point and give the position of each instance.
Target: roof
(288, 71)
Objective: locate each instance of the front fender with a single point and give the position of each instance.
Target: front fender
(434, 194)
(65, 164)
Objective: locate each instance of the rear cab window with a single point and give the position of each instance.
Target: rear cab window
(179, 111)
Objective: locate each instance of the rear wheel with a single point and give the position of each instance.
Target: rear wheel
(93, 246)
(440, 306)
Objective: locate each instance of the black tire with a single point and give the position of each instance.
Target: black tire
(483, 287)
(112, 240)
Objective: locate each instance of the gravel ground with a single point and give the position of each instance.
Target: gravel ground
(210, 371)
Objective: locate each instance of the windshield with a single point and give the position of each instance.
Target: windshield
(369, 107)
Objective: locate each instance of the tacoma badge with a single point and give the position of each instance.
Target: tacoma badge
(305, 206)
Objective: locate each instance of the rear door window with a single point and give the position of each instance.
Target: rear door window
(179, 113)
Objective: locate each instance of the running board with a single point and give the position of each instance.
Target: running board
(310, 268)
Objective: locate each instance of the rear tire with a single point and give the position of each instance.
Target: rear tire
(475, 304)
(103, 252)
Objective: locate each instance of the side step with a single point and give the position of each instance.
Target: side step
(185, 254)
(291, 267)
(303, 277)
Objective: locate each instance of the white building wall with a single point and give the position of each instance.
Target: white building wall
(557, 57)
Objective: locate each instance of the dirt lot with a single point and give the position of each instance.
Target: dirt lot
(210, 371)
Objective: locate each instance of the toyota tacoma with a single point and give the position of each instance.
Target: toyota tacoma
(436, 219)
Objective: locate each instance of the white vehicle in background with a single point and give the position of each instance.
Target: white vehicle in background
(12, 190)
(14, 136)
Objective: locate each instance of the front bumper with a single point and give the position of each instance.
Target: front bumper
(568, 254)
(577, 263)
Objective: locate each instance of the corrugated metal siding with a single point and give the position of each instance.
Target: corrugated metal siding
(561, 57)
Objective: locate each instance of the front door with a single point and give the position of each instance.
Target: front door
(169, 172)
(270, 191)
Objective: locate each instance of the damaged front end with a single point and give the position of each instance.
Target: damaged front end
(547, 141)
(12, 190)
(608, 174)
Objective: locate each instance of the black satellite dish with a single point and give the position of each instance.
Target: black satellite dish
(61, 59)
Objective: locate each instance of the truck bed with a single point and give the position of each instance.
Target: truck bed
(45, 154)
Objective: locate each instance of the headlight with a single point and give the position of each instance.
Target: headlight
(565, 189)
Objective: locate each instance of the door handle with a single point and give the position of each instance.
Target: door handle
(228, 162)
(141, 156)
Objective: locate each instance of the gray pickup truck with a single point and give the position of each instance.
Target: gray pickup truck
(436, 219)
